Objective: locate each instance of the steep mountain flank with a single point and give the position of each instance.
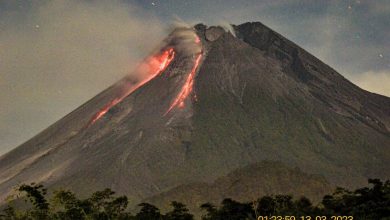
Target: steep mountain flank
(212, 107)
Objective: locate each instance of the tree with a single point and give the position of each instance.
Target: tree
(284, 204)
(211, 211)
(68, 206)
(36, 194)
(179, 212)
(364, 203)
(148, 212)
(303, 207)
(229, 209)
(266, 206)
(9, 213)
(367, 203)
(115, 209)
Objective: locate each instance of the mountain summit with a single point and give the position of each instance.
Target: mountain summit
(208, 110)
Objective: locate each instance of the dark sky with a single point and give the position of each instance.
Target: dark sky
(55, 55)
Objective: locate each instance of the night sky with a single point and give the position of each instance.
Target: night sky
(55, 55)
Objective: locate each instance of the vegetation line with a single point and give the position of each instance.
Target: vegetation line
(367, 203)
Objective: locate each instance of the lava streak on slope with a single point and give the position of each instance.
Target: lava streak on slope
(154, 66)
(187, 87)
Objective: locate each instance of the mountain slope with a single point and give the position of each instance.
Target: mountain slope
(246, 184)
(233, 103)
(261, 109)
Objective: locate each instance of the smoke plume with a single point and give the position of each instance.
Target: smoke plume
(184, 39)
(55, 55)
(227, 27)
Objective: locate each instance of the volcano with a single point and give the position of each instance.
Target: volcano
(212, 114)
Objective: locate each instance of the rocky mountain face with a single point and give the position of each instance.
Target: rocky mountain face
(208, 121)
(246, 184)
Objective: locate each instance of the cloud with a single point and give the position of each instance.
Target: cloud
(377, 82)
(55, 55)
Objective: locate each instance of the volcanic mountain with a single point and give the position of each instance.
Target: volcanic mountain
(214, 114)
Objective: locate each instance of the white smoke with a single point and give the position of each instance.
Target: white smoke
(227, 27)
(184, 38)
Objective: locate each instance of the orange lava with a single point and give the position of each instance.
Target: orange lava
(155, 65)
(187, 87)
(104, 110)
(197, 39)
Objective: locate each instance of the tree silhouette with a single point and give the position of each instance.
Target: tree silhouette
(211, 211)
(230, 209)
(266, 206)
(179, 212)
(148, 212)
(367, 203)
(36, 194)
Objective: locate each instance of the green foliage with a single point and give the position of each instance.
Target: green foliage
(231, 208)
(8, 213)
(364, 203)
(179, 212)
(367, 203)
(211, 211)
(148, 212)
(36, 195)
(68, 206)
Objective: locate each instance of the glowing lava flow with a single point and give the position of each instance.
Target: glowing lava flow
(187, 87)
(197, 39)
(155, 65)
